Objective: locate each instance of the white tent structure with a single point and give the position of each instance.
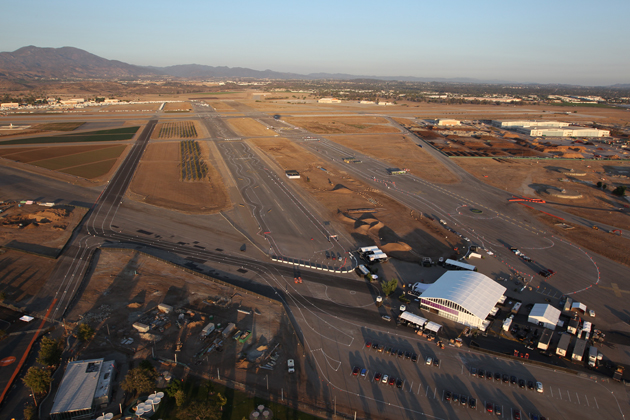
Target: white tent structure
(466, 297)
(544, 314)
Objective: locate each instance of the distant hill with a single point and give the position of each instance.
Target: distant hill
(64, 63)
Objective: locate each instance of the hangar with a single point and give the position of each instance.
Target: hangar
(545, 315)
(466, 297)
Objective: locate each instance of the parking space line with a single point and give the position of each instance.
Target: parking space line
(560, 393)
(426, 394)
(586, 398)
(418, 389)
(578, 398)
(569, 395)
(596, 402)
(411, 387)
(551, 389)
(435, 393)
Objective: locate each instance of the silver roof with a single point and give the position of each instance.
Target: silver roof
(76, 391)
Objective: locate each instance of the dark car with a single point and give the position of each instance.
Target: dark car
(388, 351)
(551, 272)
(400, 354)
(392, 380)
(472, 403)
(355, 371)
(414, 358)
(394, 352)
(455, 397)
(516, 414)
(489, 407)
(506, 379)
(497, 376)
(481, 373)
(407, 355)
(497, 410)
(447, 395)
(473, 371)
(375, 346)
(530, 385)
(377, 377)
(521, 383)
(436, 362)
(513, 380)
(489, 375)
(463, 399)
(399, 383)
(533, 416)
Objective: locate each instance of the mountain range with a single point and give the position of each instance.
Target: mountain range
(33, 63)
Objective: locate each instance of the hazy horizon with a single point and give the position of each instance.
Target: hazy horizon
(583, 43)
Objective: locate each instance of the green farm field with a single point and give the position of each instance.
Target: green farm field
(124, 133)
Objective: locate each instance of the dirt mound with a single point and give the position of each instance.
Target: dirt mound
(343, 218)
(134, 305)
(376, 227)
(395, 247)
(572, 155)
(339, 188)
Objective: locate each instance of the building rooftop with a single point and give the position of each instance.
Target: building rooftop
(78, 386)
(473, 291)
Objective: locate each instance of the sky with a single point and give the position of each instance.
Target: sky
(552, 41)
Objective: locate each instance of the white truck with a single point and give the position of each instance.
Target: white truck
(592, 356)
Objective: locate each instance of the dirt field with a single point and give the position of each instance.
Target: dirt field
(126, 287)
(343, 125)
(157, 182)
(22, 275)
(43, 230)
(177, 107)
(220, 106)
(390, 225)
(248, 127)
(401, 152)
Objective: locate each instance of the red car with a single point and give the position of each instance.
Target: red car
(355, 371)
(368, 344)
(392, 380)
(489, 407)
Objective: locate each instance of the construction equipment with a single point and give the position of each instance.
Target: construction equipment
(618, 373)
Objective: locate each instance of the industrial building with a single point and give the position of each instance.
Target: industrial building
(523, 123)
(545, 315)
(446, 122)
(466, 297)
(329, 101)
(86, 386)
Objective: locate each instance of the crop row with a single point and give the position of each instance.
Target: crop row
(192, 165)
(184, 129)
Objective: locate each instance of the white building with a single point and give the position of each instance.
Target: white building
(86, 385)
(544, 314)
(9, 105)
(448, 122)
(563, 132)
(466, 297)
(329, 101)
(524, 123)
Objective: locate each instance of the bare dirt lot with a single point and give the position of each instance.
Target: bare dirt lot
(399, 151)
(343, 125)
(131, 107)
(126, 287)
(248, 127)
(38, 229)
(177, 107)
(22, 275)
(389, 224)
(158, 182)
(220, 106)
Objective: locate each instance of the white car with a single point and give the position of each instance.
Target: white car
(291, 365)
(429, 361)
(591, 313)
(385, 379)
(539, 387)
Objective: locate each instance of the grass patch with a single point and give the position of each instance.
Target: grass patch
(125, 133)
(60, 126)
(81, 158)
(239, 404)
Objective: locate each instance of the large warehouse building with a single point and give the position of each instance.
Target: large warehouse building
(550, 129)
(525, 123)
(466, 297)
(86, 385)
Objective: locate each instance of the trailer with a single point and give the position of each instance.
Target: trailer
(516, 307)
(367, 249)
(545, 339)
(592, 356)
(362, 270)
(377, 257)
(563, 345)
(207, 330)
(578, 350)
(229, 329)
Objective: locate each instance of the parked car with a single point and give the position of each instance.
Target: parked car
(355, 370)
(472, 403)
(368, 344)
(489, 407)
(539, 387)
(407, 355)
(473, 371)
(394, 352)
(377, 377)
(521, 383)
(392, 380)
(489, 375)
(399, 383)
(401, 354)
(386, 318)
(414, 358)
(388, 351)
(497, 410)
(530, 385)
(497, 376)
(363, 372)
(385, 379)
(455, 397)
(481, 373)
(447, 395)
(506, 379)
(513, 380)
(436, 362)
(463, 399)
(291, 365)
(516, 414)
(375, 346)
(429, 360)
